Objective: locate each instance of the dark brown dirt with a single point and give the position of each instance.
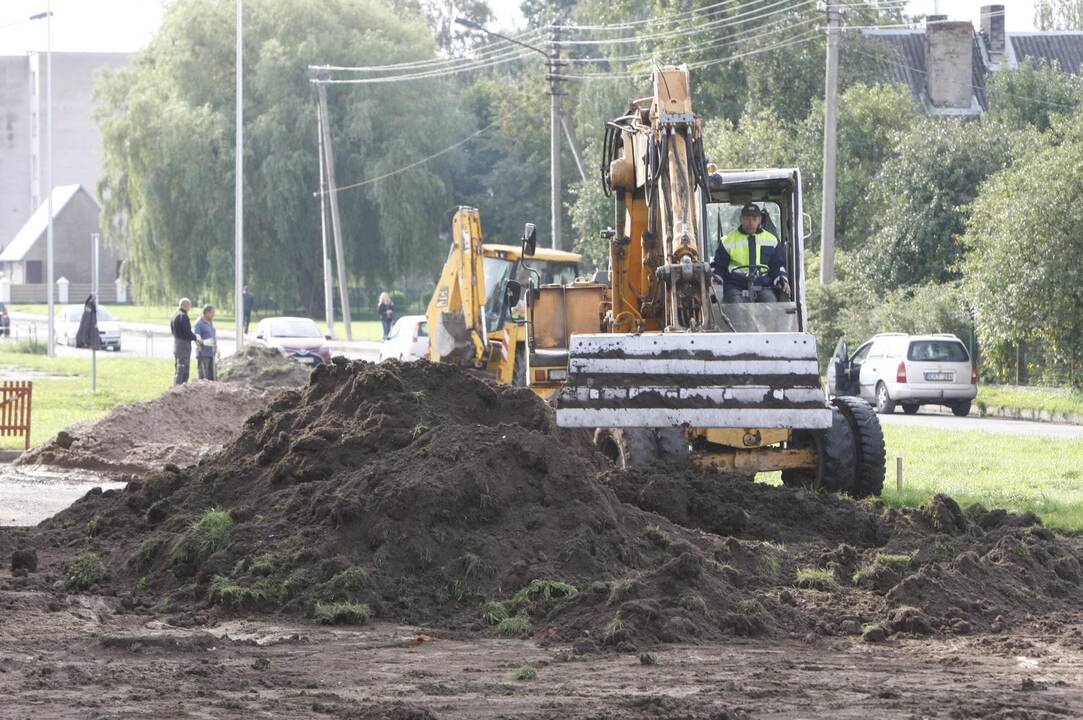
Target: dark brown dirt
(435, 498)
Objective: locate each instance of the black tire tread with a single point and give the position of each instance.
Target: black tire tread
(871, 455)
(518, 373)
(638, 447)
(839, 454)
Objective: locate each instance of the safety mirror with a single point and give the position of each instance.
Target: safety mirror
(530, 239)
(513, 290)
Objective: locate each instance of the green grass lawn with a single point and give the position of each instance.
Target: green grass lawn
(58, 403)
(1053, 400)
(1043, 475)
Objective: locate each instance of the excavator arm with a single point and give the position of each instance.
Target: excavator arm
(456, 313)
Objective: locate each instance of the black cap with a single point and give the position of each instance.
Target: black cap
(750, 209)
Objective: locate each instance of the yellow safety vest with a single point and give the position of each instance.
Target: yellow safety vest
(736, 244)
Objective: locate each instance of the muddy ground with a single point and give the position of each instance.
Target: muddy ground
(449, 533)
(70, 656)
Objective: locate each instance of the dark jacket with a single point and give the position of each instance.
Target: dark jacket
(773, 257)
(181, 327)
(88, 336)
(386, 311)
(248, 301)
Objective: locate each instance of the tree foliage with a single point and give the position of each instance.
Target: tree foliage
(1058, 14)
(167, 135)
(1033, 93)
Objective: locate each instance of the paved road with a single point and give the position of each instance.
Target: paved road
(947, 421)
(30, 495)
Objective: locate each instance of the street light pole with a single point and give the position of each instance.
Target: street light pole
(48, 17)
(552, 75)
(238, 202)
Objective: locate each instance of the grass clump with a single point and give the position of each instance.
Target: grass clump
(648, 658)
(899, 563)
(657, 536)
(344, 613)
(29, 347)
(494, 613)
(227, 593)
(614, 632)
(517, 626)
(346, 584)
(143, 555)
(84, 572)
(96, 526)
(525, 673)
(542, 592)
(204, 538)
(692, 602)
(817, 579)
(621, 590)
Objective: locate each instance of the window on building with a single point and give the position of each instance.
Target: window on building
(33, 272)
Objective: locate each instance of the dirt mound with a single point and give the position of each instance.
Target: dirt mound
(263, 367)
(181, 426)
(419, 493)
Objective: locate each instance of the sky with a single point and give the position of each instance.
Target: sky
(127, 25)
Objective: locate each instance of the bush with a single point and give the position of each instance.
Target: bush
(342, 613)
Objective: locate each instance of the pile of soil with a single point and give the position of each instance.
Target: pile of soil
(180, 427)
(263, 367)
(418, 493)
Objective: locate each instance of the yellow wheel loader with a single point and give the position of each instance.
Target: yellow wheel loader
(478, 315)
(668, 369)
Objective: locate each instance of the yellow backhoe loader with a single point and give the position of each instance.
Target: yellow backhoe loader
(478, 313)
(664, 368)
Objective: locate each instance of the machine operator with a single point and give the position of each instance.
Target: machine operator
(751, 250)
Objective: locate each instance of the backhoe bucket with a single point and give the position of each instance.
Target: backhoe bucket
(699, 380)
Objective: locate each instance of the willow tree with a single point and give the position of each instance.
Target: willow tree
(167, 135)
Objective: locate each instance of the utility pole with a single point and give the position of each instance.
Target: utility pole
(554, 131)
(328, 295)
(50, 273)
(831, 98)
(238, 195)
(332, 196)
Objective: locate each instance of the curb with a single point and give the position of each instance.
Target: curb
(1031, 414)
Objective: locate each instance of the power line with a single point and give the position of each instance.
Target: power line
(423, 160)
(424, 75)
(739, 19)
(497, 48)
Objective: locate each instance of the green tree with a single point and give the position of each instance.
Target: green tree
(1058, 14)
(167, 137)
(1033, 93)
(921, 197)
(1023, 240)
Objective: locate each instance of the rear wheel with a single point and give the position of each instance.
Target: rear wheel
(884, 404)
(636, 447)
(910, 408)
(870, 463)
(836, 457)
(960, 409)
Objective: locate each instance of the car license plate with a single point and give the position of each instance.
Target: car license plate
(940, 376)
(309, 360)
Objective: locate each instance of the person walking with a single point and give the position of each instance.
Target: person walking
(183, 337)
(386, 311)
(206, 332)
(248, 301)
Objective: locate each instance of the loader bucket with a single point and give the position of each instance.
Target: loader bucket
(698, 380)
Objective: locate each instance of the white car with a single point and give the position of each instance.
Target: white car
(909, 370)
(408, 339)
(67, 326)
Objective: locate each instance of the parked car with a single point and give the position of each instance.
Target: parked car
(408, 339)
(297, 338)
(908, 370)
(67, 326)
(5, 321)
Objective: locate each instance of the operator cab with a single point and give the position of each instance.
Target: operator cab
(778, 193)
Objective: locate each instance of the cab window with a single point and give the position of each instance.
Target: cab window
(862, 353)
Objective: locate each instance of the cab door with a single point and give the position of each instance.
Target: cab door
(836, 369)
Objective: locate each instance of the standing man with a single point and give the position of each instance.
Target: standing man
(183, 337)
(248, 301)
(208, 346)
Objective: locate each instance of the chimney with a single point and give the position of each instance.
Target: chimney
(949, 63)
(992, 27)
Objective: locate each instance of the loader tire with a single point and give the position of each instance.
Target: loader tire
(871, 461)
(518, 373)
(637, 447)
(836, 454)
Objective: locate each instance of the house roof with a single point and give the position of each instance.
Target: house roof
(905, 63)
(38, 223)
(1064, 47)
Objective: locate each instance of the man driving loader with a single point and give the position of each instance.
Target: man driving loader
(750, 262)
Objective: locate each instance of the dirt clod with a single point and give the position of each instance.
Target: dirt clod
(24, 559)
